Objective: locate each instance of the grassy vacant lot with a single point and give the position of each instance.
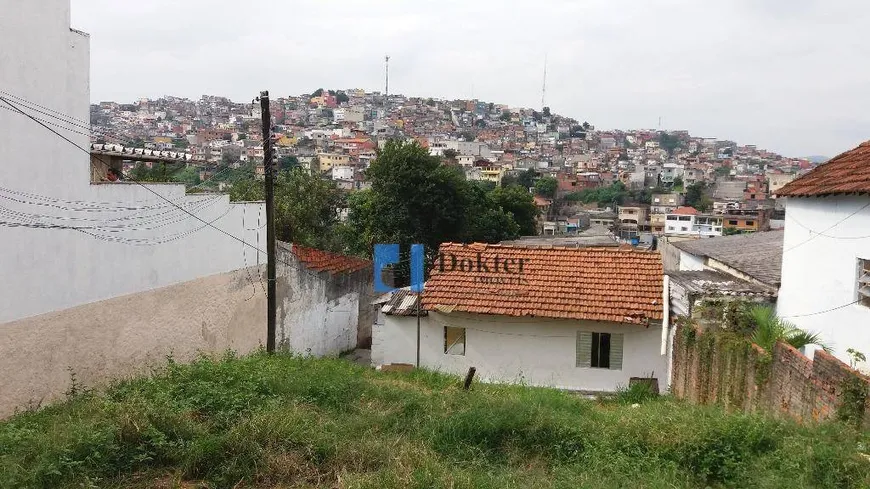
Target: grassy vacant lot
(280, 421)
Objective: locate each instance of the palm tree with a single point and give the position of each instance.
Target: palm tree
(770, 329)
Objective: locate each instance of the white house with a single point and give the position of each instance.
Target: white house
(688, 222)
(587, 319)
(826, 252)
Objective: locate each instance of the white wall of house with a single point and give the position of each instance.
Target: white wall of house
(143, 242)
(820, 272)
(534, 351)
(690, 262)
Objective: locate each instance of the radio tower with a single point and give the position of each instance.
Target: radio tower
(387, 83)
(544, 89)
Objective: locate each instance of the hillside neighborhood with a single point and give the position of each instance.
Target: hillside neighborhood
(536, 253)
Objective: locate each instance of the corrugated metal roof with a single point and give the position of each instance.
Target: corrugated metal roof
(710, 282)
(403, 302)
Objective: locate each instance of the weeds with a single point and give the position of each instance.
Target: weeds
(273, 420)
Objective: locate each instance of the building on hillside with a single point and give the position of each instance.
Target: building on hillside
(688, 222)
(586, 319)
(826, 256)
(665, 203)
(101, 278)
(777, 179)
(632, 220)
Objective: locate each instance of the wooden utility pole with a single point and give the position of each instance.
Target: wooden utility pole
(269, 170)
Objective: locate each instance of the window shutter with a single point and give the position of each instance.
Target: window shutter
(616, 351)
(584, 349)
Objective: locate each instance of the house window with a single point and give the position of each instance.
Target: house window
(732, 223)
(454, 341)
(750, 223)
(864, 282)
(599, 350)
(684, 228)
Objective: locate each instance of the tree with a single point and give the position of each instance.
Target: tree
(722, 171)
(517, 201)
(537, 116)
(770, 329)
(341, 97)
(678, 182)
(696, 196)
(305, 206)
(485, 220)
(413, 199)
(546, 187)
(467, 135)
(288, 162)
(317, 93)
(669, 143)
(505, 116)
(546, 112)
(527, 178)
(449, 154)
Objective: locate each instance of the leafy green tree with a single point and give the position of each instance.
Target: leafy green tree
(696, 196)
(467, 135)
(546, 112)
(341, 97)
(517, 201)
(485, 220)
(288, 162)
(614, 194)
(770, 329)
(449, 154)
(678, 182)
(317, 92)
(546, 187)
(668, 142)
(305, 206)
(527, 178)
(505, 115)
(722, 171)
(413, 199)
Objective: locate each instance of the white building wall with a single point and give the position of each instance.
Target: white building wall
(46, 270)
(532, 351)
(690, 262)
(819, 269)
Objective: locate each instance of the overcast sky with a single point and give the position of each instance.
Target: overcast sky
(788, 75)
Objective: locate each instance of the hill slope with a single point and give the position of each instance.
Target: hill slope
(280, 421)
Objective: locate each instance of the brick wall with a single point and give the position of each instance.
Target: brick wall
(724, 369)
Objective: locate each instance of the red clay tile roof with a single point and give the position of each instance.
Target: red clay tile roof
(685, 210)
(597, 284)
(324, 261)
(847, 173)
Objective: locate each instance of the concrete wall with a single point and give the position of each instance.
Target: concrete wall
(122, 336)
(534, 351)
(819, 269)
(320, 313)
(127, 239)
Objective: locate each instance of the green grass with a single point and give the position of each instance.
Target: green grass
(282, 421)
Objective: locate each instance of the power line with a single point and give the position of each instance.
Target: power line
(826, 230)
(821, 312)
(206, 223)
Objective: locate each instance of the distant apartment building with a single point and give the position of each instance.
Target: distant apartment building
(633, 220)
(688, 222)
(328, 160)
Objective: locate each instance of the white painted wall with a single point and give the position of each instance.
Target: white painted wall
(534, 351)
(690, 262)
(819, 272)
(46, 270)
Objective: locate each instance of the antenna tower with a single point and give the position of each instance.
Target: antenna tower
(544, 89)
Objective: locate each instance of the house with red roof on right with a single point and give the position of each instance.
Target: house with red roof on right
(826, 253)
